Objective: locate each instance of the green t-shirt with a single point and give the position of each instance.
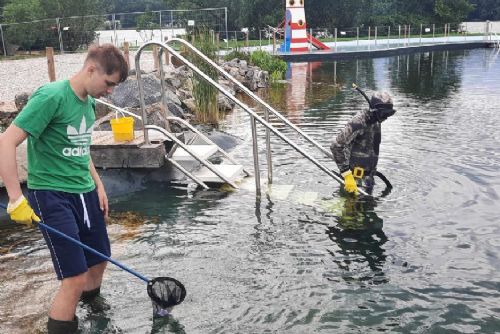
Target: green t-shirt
(60, 126)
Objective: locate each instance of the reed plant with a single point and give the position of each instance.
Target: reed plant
(204, 93)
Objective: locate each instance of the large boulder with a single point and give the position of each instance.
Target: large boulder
(251, 76)
(126, 94)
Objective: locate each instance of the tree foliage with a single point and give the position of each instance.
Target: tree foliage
(76, 32)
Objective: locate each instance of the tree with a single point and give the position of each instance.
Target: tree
(452, 10)
(485, 10)
(24, 35)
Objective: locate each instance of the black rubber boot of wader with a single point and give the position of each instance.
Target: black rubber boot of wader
(62, 327)
(94, 300)
(88, 296)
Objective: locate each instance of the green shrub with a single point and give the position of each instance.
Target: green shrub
(237, 54)
(275, 66)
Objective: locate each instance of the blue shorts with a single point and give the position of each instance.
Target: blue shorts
(78, 216)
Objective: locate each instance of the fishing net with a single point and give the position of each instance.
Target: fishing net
(165, 292)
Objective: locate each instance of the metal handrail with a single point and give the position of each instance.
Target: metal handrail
(252, 95)
(255, 116)
(191, 152)
(205, 139)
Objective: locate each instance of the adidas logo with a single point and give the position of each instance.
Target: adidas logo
(80, 138)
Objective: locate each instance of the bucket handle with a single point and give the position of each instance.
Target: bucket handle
(119, 111)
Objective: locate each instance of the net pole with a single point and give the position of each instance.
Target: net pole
(3, 41)
(225, 20)
(61, 46)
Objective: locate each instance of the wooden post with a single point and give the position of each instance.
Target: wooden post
(247, 42)
(217, 41)
(49, 52)
(126, 53)
(156, 60)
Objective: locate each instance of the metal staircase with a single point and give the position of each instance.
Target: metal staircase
(182, 154)
(187, 157)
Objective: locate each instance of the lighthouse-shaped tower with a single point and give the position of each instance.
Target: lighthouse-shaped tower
(295, 27)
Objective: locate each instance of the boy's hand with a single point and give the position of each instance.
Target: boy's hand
(21, 212)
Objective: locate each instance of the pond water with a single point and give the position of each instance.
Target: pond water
(302, 258)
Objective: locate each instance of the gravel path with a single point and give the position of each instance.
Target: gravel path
(26, 75)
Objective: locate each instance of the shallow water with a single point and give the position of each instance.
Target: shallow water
(303, 259)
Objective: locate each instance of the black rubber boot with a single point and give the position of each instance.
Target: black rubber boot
(62, 327)
(88, 296)
(94, 300)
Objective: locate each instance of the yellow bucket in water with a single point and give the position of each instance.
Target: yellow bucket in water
(123, 128)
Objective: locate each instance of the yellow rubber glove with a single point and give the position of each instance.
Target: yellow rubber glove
(349, 183)
(21, 212)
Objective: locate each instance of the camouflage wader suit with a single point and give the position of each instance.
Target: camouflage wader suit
(358, 143)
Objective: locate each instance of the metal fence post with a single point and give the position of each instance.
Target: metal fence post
(335, 39)
(433, 33)
(61, 46)
(357, 36)
(114, 30)
(376, 35)
(3, 42)
(260, 39)
(161, 31)
(172, 22)
(227, 34)
(369, 37)
(399, 35)
(420, 34)
(389, 37)
(409, 34)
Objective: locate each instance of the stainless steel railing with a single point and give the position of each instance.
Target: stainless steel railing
(254, 117)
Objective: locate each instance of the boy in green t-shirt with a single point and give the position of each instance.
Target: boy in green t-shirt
(64, 189)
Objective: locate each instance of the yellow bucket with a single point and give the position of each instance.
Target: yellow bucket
(123, 128)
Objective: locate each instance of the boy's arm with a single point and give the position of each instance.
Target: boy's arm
(18, 208)
(101, 192)
(9, 140)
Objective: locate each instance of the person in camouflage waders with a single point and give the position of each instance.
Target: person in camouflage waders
(356, 148)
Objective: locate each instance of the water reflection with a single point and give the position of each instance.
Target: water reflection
(359, 238)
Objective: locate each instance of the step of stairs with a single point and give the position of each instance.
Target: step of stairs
(203, 151)
(231, 172)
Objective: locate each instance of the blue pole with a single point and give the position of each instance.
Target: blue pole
(53, 230)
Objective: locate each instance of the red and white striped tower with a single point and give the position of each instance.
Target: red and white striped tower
(295, 24)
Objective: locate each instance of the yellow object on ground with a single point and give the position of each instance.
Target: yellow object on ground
(123, 128)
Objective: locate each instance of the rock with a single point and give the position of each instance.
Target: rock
(174, 82)
(133, 72)
(126, 94)
(190, 104)
(175, 110)
(21, 100)
(8, 112)
(102, 110)
(171, 96)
